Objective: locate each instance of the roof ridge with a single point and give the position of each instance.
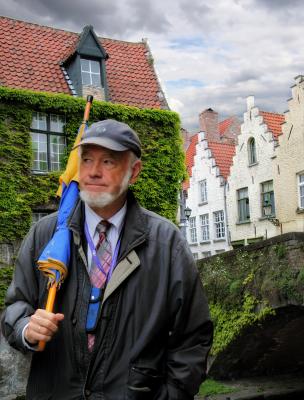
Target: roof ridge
(120, 41)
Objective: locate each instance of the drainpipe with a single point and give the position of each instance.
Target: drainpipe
(226, 214)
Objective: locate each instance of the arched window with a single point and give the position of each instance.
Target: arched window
(252, 151)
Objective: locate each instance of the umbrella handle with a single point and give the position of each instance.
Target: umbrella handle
(49, 307)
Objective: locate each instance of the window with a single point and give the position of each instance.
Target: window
(267, 197)
(301, 190)
(36, 216)
(206, 254)
(219, 224)
(204, 219)
(252, 151)
(195, 256)
(203, 191)
(193, 235)
(48, 142)
(243, 205)
(90, 72)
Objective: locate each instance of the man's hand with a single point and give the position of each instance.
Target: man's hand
(42, 326)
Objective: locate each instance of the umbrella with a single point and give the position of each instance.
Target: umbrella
(54, 260)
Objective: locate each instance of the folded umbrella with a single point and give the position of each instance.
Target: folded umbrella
(54, 260)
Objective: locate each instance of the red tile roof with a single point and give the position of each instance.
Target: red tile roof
(31, 55)
(223, 154)
(274, 122)
(224, 125)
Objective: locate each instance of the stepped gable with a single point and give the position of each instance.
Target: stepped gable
(274, 122)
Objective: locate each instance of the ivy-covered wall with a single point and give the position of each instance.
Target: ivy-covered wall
(247, 285)
(21, 191)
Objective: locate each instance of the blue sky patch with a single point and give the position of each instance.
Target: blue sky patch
(182, 83)
(187, 42)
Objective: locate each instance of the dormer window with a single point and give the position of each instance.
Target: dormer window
(90, 72)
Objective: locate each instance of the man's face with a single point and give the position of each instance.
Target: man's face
(104, 176)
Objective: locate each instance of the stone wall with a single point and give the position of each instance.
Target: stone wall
(14, 369)
(8, 252)
(272, 273)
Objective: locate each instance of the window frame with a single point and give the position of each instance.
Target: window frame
(241, 201)
(205, 227)
(219, 224)
(300, 186)
(203, 193)
(252, 153)
(48, 133)
(192, 230)
(266, 202)
(90, 72)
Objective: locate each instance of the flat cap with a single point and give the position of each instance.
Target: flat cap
(113, 135)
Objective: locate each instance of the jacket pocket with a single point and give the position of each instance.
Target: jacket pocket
(144, 384)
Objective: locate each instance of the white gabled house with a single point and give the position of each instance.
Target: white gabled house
(250, 184)
(208, 160)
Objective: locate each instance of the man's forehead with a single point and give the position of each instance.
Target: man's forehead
(89, 148)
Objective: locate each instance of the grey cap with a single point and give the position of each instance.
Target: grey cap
(112, 135)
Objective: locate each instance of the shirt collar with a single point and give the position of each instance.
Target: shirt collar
(93, 219)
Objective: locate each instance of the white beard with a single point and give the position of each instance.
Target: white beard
(101, 200)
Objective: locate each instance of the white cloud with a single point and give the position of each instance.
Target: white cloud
(206, 54)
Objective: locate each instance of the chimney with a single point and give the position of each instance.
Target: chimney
(208, 122)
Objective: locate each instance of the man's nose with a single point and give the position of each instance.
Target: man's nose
(95, 170)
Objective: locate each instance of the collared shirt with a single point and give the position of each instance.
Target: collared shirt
(92, 219)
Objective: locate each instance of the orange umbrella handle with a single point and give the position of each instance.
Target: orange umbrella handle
(49, 307)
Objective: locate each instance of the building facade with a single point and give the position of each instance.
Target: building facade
(208, 160)
(288, 165)
(250, 186)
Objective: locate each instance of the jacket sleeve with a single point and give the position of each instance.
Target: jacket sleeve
(22, 295)
(191, 330)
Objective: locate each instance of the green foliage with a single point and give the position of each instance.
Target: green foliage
(21, 191)
(229, 323)
(280, 250)
(6, 274)
(243, 287)
(210, 387)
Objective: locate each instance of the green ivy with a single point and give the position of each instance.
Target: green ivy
(242, 286)
(21, 191)
(229, 323)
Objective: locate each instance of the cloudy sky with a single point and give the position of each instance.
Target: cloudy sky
(206, 54)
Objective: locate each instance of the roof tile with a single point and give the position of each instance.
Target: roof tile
(35, 52)
(274, 122)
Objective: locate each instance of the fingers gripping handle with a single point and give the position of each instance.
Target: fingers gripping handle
(49, 307)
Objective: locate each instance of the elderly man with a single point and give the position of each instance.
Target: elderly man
(132, 321)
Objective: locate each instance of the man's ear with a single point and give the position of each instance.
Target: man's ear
(136, 168)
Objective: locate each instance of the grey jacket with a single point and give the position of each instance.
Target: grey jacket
(154, 330)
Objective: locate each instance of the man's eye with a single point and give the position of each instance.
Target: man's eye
(108, 161)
